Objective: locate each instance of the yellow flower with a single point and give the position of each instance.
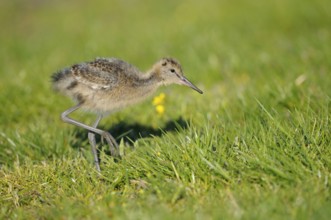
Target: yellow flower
(159, 109)
(159, 100)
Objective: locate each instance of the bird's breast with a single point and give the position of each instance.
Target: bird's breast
(116, 98)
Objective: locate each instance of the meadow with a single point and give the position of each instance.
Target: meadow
(255, 145)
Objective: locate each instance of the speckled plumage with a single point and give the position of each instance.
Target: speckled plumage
(108, 84)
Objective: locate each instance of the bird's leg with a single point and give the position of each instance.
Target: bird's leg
(114, 150)
(91, 137)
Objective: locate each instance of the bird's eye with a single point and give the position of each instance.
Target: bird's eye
(172, 70)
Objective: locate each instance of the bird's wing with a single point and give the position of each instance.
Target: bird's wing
(102, 73)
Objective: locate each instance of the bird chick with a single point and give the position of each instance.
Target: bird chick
(105, 85)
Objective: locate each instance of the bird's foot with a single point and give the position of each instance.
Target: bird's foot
(113, 146)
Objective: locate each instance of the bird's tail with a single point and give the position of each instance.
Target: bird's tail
(61, 79)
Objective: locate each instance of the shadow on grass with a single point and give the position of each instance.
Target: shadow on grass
(131, 132)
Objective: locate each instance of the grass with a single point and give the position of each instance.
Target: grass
(255, 145)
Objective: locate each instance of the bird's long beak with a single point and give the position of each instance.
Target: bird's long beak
(186, 82)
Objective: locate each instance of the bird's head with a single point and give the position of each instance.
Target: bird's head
(170, 71)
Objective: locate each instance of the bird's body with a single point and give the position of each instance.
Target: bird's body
(105, 84)
(109, 84)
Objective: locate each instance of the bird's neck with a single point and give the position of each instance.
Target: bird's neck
(150, 79)
(147, 84)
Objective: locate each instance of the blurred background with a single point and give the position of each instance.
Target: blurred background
(231, 49)
(255, 145)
